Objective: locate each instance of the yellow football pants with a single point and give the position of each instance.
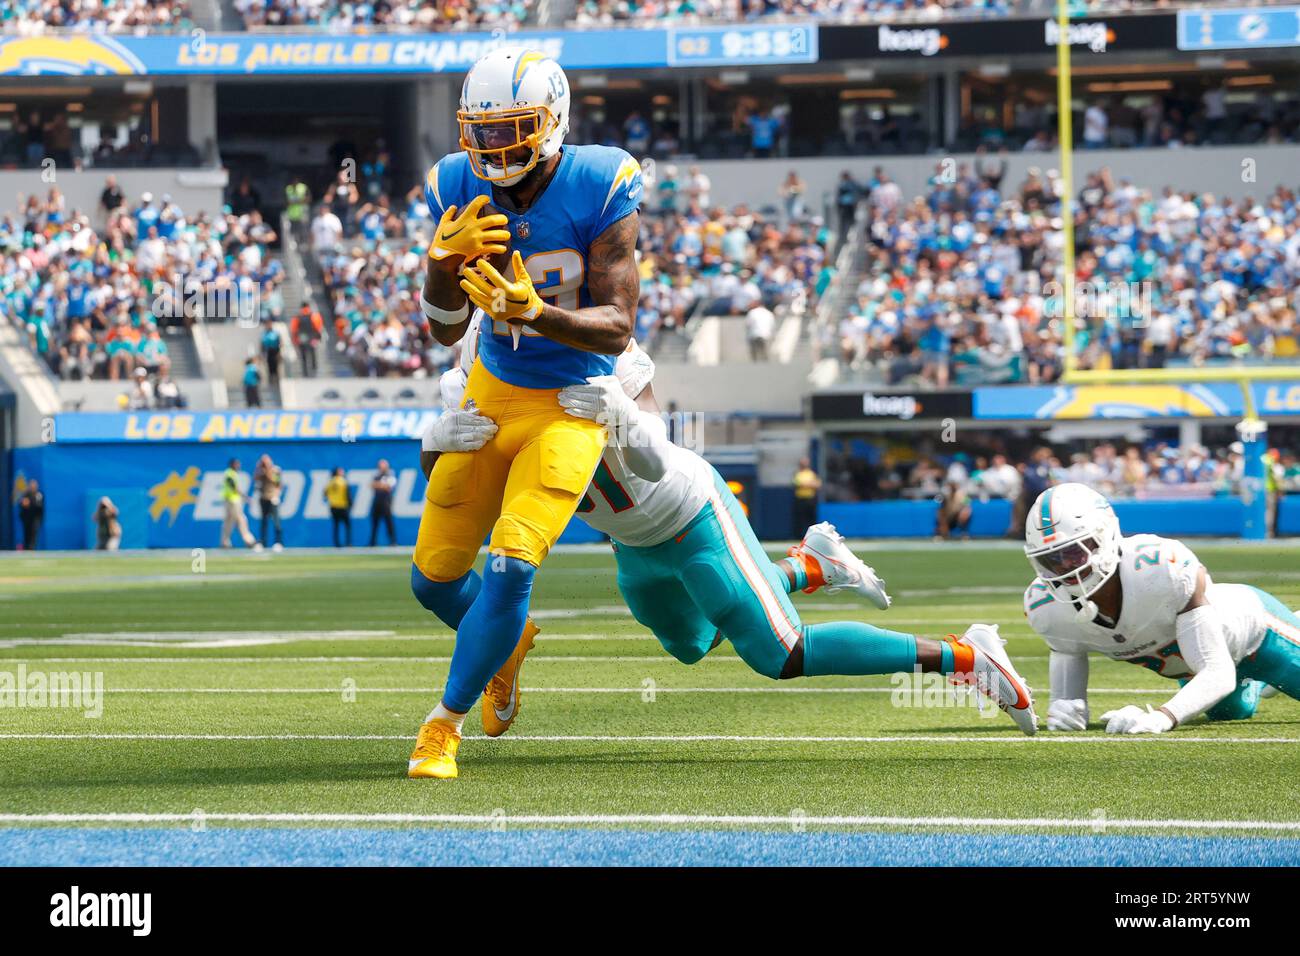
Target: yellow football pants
(524, 485)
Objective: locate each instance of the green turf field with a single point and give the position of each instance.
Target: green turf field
(307, 694)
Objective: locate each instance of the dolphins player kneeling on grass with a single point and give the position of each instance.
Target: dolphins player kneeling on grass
(1148, 600)
(692, 570)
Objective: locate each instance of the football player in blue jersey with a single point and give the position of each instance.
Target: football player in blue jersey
(560, 310)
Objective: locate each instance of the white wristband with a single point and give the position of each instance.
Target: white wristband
(442, 316)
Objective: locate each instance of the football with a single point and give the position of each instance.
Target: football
(501, 260)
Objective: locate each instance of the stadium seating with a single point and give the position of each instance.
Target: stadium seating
(31, 17)
(119, 303)
(414, 15)
(955, 286)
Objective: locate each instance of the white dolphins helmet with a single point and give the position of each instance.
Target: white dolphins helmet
(1072, 540)
(514, 113)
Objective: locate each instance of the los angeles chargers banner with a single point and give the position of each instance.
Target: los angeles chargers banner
(264, 54)
(315, 425)
(1199, 400)
(163, 470)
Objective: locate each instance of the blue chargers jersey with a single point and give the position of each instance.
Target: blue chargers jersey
(593, 188)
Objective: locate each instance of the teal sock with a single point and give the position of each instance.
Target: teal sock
(946, 664)
(793, 576)
(851, 647)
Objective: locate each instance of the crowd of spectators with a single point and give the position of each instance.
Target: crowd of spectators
(34, 17)
(37, 137)
(96, 297)
(1194, 111)
(372, 262)
(858, 470)
(412, 15)
(1191, 113)
(960, 284)
(697, 257)
(30, 17)
(608, 12)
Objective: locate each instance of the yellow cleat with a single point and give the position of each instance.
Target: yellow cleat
(435, 751)
(501, 695)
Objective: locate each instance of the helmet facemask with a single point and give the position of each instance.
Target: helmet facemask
(1075, 569)
(504, 145)
(1072, 541)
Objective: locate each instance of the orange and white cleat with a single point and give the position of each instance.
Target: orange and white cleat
(828, 562)
(501, 695)
(989, 670)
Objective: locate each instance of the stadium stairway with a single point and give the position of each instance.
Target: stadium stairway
(671, 345)
(304, 280)
(217, 15)
(850, 266)
(269, 393)
(554, 14)
(183, 353)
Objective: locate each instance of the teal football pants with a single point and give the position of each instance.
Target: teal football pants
(712, 577)
(1276, 662)
(713, 580)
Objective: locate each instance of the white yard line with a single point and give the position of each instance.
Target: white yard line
(909, 692)
(535, 658)
(662, 819)
(1174, 738)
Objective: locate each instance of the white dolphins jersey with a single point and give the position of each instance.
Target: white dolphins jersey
(629, 509)
(642, 513)
(1158, 578)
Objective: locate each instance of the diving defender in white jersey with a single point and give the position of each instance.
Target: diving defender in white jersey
(1148, 600)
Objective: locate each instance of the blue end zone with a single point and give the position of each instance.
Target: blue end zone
(466, 847)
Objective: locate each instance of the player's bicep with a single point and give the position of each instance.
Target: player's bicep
(612, 277)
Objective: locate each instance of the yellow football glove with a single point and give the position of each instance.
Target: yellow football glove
(468, 235)
(503, 300)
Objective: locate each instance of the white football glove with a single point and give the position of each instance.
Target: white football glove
(602, 400)
(1134, 720)
(452, 387)
(459, 430)
(1067, 715)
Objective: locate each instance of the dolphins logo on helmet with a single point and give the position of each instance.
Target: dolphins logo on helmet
(1072, 541)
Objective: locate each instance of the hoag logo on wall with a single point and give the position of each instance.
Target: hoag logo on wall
(905, 407)
(926, 42)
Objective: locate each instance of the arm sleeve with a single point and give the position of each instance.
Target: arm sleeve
(646, 446)
(1202, 644)
(1068, 670)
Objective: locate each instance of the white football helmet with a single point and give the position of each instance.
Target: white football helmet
(514, 113)
(1072, 541)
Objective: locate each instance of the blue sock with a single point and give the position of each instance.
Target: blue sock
(449, 600)
(489, 630)
(946, 662)
(851, 647)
